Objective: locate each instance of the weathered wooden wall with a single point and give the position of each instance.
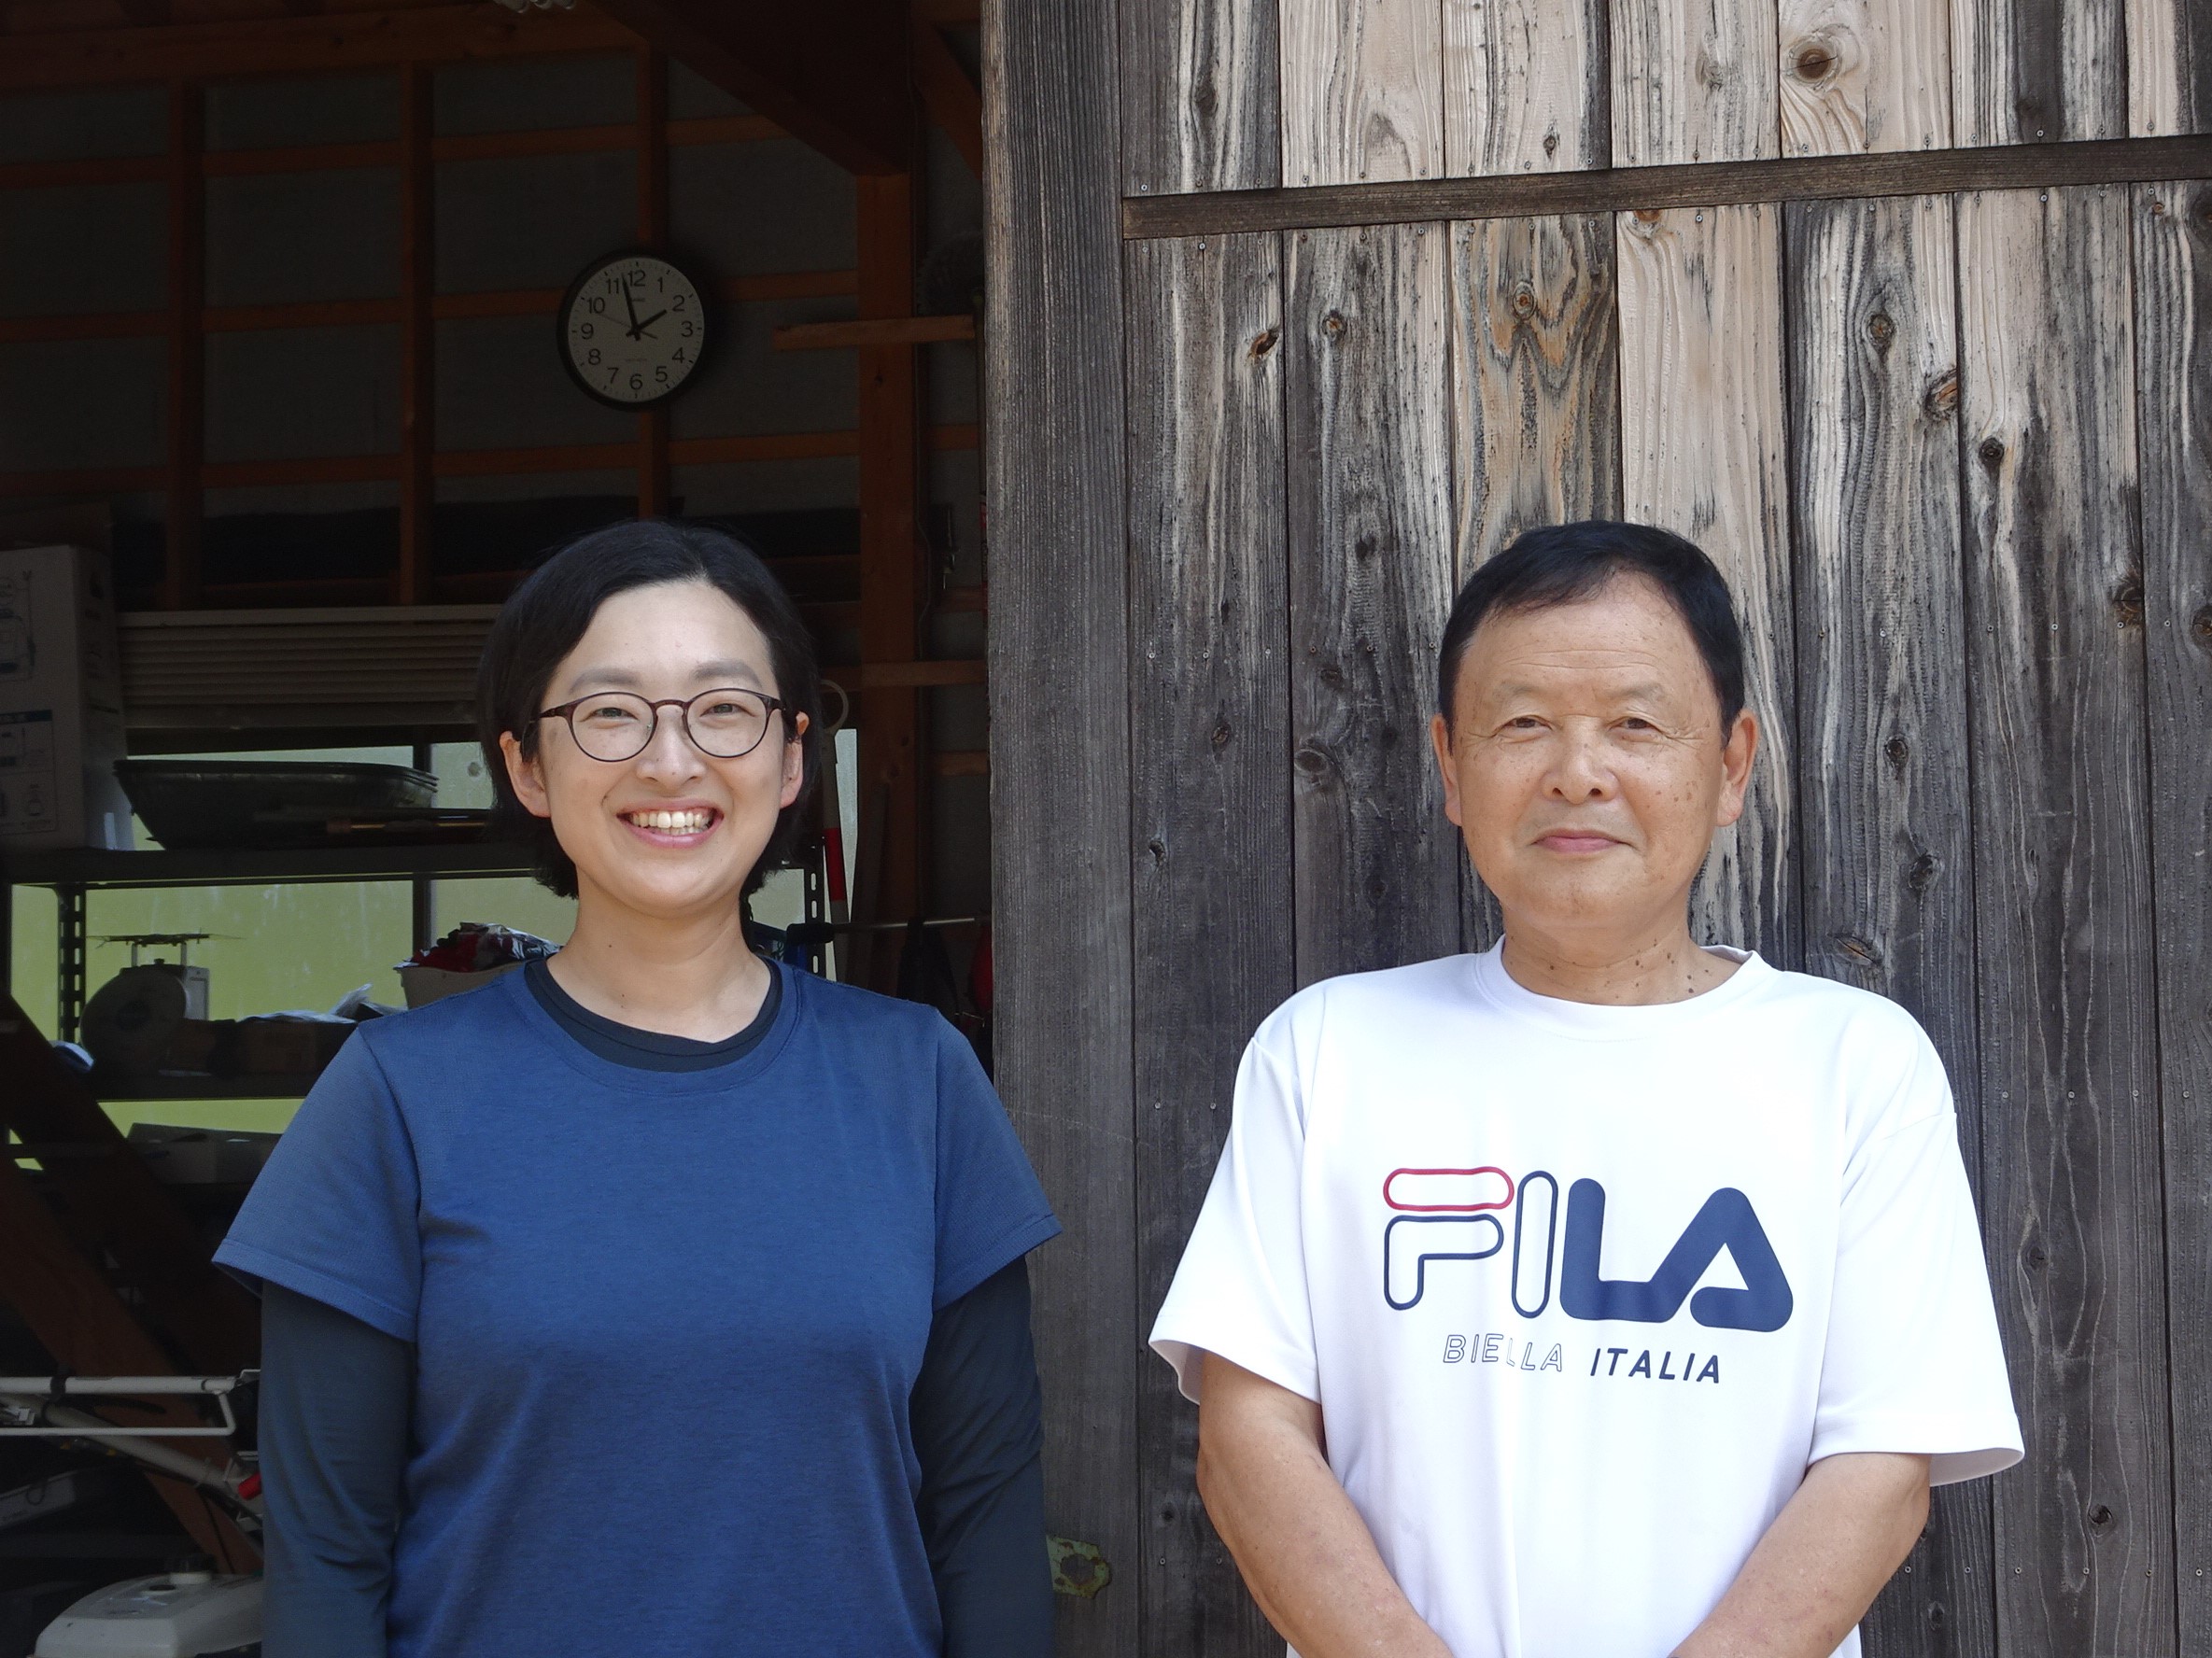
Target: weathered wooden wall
(1955, 449)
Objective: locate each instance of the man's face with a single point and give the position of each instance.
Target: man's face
(1585, 762)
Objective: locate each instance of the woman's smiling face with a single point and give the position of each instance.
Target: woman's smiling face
(673, 830)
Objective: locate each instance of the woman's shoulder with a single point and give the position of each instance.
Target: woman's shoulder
(848, 1011)
(467, 1025)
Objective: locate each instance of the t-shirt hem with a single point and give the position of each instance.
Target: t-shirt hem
(1010, 1248)
(1186, 1355)
(254, 1266)
(1958, 1447)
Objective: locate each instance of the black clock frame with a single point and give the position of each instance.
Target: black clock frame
(599, 268)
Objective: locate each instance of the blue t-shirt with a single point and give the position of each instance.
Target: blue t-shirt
(665, 1323)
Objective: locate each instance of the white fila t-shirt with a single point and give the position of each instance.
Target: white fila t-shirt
(1583, 1291)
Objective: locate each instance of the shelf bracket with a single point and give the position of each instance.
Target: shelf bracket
(69, 934)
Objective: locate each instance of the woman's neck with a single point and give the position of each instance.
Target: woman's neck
(1664, 964)
(692, 975)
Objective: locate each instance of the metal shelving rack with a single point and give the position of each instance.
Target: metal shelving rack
(74, 873)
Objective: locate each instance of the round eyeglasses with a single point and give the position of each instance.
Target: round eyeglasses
(726, 724)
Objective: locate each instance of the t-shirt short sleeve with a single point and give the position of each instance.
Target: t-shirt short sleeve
(1914, 1361)
(989, 1209)
(333, 1216)
(1241, 1290)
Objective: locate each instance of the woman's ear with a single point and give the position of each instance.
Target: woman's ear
(526, 777)
(795, 760)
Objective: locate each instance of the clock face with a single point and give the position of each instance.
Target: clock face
(632, 330)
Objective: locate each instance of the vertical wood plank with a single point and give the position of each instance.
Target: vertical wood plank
(1210, 725)
(1059, 777)
(1526, 87)
(1693, 80)
(186, 406)
(653, 231)
(1887, 849)
(890, 570)
(1200, 99)
(2169, 68)
(1377, 863)
(1362, 90)
(2037, 71)
(2173, 228)
(417, 334)
(1864, 76)
(1702, 441)
(2067, 1003)
(1536, 393)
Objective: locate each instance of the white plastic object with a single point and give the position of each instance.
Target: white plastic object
(181, 1615)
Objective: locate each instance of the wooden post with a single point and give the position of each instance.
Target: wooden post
(187, 411)
(890, 569)
(417, 335)
(653, 232)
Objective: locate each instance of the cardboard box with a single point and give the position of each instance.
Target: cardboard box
(60, 703)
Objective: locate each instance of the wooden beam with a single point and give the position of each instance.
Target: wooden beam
(74, 1314)
(652, 137)
(947, 763)
(1697, 184)
(340, 41)
(949, 97)
(835, 74)
(893, 676)
(185, 408)
(417, 335)
(873, 331)
(890, 570)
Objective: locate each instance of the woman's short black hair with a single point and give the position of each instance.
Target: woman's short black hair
(540, 625)
(1564, 563)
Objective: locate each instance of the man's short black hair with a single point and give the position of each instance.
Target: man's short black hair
(540, 623)
(1564, 563)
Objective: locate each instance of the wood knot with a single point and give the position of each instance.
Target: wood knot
(1312, 761)
(1263, 343)
(1202, 97)
(2035, 1258)
(1880, 330)
(1898, 750)
(1551, 145)
(1922, 876)
(1991, 452)
(2200, 628)
(1332, 677)
(1220, 735)
(1364, 547)
(2127, 601)
(1649, 216)
(2100, 1515)
(1524, 304)
(1159, 850)
(1814, 60)
(1939, 400)
(1859, 949)
(1333, 324)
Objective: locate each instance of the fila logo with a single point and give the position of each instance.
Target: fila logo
(1454, 1214)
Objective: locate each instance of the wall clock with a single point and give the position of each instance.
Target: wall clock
(632, 330)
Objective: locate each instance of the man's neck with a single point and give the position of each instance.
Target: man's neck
(1663, 964)
(693, 976)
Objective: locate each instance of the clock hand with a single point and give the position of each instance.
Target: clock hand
(647, 322)
(630, 305)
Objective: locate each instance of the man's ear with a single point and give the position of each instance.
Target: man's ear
(1439, 738)
(1737, 756)
(795, 760)
(525, 777)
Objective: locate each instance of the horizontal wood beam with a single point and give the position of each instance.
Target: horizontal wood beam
(340, 158)
(874, 330)
(301, 45)
(544, 301)
(949, 762)
(834, 74)
(463, 463)
(900, 676)
(1707, 184)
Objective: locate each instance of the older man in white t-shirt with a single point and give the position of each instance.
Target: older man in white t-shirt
(1607, 1295)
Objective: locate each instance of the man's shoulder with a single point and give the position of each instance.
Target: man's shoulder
(1382, 993)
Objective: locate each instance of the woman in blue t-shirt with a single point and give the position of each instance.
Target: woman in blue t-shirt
(655, 1299)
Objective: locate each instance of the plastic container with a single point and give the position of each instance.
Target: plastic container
(262, 803)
